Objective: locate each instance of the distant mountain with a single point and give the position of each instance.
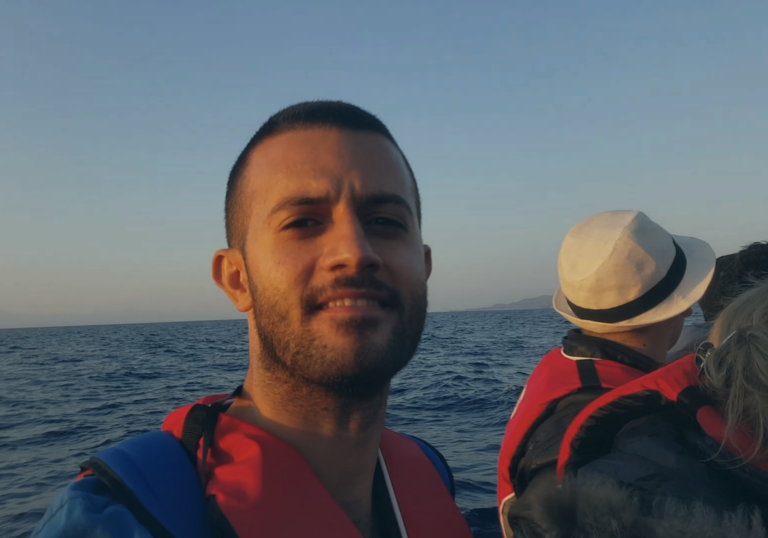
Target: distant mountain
(534, 303)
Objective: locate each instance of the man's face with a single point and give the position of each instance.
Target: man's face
(336, 266)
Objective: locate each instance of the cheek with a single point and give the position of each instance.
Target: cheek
(282, 268)
(409, 269)
(678, 329)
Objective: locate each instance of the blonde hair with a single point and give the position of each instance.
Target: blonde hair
(736, 372)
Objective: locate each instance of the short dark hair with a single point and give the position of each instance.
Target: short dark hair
(734, 274)
(304, 115)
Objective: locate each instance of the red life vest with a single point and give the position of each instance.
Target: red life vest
(554, 378)
(592, 431)
(265, 488)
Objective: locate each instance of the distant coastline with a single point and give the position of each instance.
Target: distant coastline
(534, 303)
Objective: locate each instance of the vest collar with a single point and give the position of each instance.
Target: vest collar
(577, 344)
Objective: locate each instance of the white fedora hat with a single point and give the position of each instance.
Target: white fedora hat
(619, 270)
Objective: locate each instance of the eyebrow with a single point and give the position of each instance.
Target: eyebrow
(372, 200)
(385, 198)
(299, 201)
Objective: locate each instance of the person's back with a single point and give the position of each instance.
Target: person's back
(697, 453)
(628, 285)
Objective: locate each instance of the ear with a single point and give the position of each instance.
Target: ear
(229, 274)
(428, 260)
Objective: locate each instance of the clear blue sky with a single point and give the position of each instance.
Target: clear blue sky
(119, 122)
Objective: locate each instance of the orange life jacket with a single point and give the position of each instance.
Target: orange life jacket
(263, 487)
(555, 377)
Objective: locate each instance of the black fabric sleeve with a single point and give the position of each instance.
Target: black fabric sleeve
(543, 446)
(538, 514)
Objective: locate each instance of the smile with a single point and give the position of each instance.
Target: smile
(349, 302)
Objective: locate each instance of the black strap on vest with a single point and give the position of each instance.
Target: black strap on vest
(200, 423)
(193, 430)
(587, 373)
(649, 300)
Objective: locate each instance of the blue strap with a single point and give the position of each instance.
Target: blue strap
(438, 462)
(155, 468)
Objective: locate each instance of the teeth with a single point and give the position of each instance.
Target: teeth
(351, 302)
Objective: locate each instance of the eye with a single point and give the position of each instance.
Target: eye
(386, 222)
(305, 222)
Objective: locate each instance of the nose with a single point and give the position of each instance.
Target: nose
(348, 249)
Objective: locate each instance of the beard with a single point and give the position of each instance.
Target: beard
(360, 370)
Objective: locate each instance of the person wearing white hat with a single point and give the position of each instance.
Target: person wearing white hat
(628, 285)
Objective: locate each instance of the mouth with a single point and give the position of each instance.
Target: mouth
(337, 303)
(352, 302)
(354, 297)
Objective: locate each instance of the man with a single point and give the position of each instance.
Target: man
(734, 273)
(325, 256)
(628, 286)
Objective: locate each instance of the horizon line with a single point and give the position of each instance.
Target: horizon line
(229, 319)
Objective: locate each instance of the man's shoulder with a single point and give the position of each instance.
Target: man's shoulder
(174, 422)
(86, 509)
(547, 365)
(146, 482)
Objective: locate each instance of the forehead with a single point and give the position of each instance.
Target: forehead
(324, 162)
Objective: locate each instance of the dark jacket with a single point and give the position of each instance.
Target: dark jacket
(668, 454)
(587, 507)
(663, 477)
(542, 447)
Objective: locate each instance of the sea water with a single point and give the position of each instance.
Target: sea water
(68, 392)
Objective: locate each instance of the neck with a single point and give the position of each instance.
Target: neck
(641, 340)
(339, 439)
